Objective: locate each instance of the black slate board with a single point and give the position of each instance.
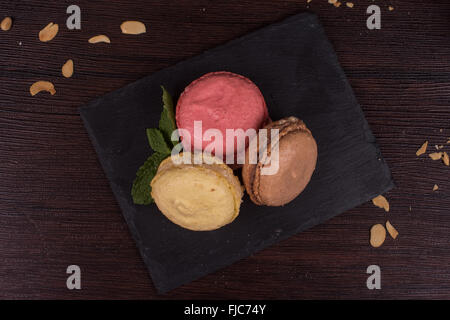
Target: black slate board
(297, 71)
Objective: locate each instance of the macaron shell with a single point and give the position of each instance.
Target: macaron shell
(194, 198)
(284, 126)
(215, 164)
(197, 196)
(235, 186)
(251, 172)
(297, 161)
(221, 100)
(248, 177)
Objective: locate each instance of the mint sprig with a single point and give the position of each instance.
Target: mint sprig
(167, 122)
(160, 141)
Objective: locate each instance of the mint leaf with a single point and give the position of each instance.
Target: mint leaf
(167, 101)
(141, 190)
(167, 122)
(157, 141)
(160, 142)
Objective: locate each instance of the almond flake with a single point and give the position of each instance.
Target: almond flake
(42, 86)
(392, 231)
(99, 38)
(349, 4)
(436, 155)
(6, 24)
(133, 27)
(381, 202)
(422, 149)
(435, 187)
(391, 8)
(49, 32)
(67, 68)
(446, 159)
(377, 235)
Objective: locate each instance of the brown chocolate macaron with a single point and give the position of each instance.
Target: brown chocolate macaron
(297, 161)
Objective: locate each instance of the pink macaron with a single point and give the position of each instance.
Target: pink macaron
(220, 100)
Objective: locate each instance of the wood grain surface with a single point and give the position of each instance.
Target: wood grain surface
(56, 207)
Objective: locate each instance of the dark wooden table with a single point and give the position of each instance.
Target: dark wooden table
(56, 207)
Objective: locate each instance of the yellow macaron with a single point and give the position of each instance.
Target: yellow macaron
(197, 196)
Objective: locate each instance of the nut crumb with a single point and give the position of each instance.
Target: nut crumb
(422, 149)
(381, 202)
(350, 4)
(435, 187)
(392, 231)
(391, 8)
